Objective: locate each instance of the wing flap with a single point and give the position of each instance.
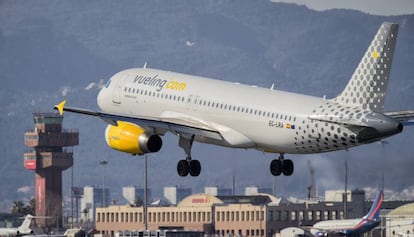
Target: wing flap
(229, 135)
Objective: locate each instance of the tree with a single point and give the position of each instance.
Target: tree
(19, 207)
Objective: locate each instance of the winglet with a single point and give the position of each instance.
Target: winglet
(59, 107)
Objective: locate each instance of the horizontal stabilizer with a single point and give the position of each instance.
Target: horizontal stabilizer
(406, 117)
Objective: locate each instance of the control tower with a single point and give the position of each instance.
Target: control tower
(48, 159)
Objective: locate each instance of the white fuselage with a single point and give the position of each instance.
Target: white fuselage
(337, 225)
(253, 117)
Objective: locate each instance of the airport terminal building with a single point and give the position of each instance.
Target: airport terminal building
(252, 215)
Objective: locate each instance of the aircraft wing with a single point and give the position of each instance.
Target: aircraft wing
(404, 117)
(169, 121)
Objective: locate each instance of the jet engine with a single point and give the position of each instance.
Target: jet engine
(131, 138)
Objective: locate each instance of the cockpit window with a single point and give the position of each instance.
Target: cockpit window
(108, 83)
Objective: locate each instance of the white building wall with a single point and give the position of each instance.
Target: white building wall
(175, 194)
(92, 198)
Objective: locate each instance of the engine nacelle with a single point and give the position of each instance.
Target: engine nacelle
(131, 138)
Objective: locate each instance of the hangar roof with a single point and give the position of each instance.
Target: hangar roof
(407, 210)
(203, 200)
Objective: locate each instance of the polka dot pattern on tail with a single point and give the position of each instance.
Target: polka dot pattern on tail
(368, 84)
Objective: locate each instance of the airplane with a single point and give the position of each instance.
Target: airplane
(23, 229)
(141, 104)
(354, 227)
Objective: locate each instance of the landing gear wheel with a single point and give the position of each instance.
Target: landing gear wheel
(195, 168)
(288, 167)
(276, 167)
(183, 168)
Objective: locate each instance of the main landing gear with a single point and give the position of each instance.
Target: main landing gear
(187, 166)
(279, 166)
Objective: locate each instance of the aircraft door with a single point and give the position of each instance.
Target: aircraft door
(313, 128)
(192, 102)
(116, 95)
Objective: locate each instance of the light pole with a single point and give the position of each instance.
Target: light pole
(103, 163)
(145, 192)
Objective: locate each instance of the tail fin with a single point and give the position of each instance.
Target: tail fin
(374, 212)
(368, 84)
(25, 226)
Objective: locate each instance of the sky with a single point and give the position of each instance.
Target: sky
(374, 7)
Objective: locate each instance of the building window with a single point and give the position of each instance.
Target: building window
(326, 215)
(270, 215)
(310, 215)
(334, 215)
(293, 216)
(277, 216)
(285, 215)
(318, 215)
